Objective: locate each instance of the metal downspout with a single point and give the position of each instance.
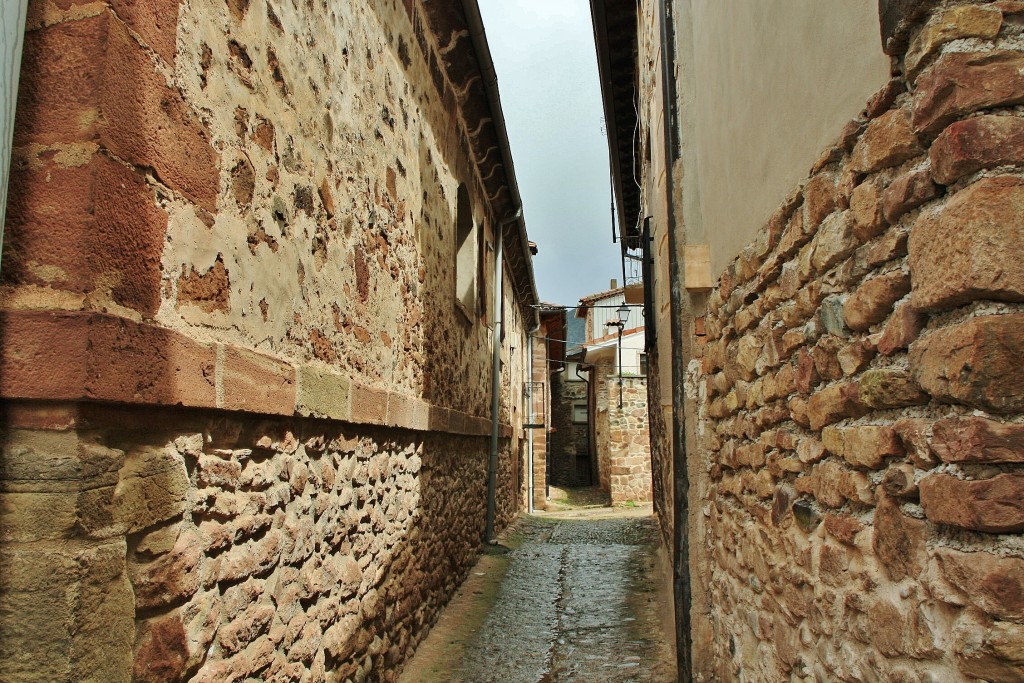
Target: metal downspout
(12, 40)
(499, 321)
(682, 589)
(529, 442)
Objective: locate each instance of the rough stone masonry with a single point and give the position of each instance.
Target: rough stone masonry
(245, 417)
(861, 392)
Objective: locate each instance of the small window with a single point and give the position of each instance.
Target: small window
(579, 413)
(643, 364)
(467, 254)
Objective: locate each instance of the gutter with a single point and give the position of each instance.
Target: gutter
(499, 321)
(682, 588)
(12, 40)
(490, 80)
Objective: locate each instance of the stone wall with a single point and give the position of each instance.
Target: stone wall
(570, 452)
(246, 421)
(622, 435)
(859, 394)
(213, 547)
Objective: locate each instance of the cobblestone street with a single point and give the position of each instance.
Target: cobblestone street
(574, 595)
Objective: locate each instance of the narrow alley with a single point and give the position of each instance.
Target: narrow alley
(320, 365)
(577, 594)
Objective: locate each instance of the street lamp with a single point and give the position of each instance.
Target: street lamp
(623, 312)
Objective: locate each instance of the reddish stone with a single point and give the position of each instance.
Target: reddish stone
(257, 383)
(57, 93)
(873, 300)
(993, 505)
(993, 583)
(967, 21)
(913, 432)
(889, 140)
(977, 143)
(866, 207)
(899, 481)
(855, 356)
(825, 357)
(161, 649)
(865, 446)
(971, 248)
(976, 363)
(885, 388)
(806, 373)
(820, 199)
(891, 246)
(834, 241)
(883, 100)
(370, 406)
(843, 528)
(71, 228)
(834, 403)
(155, 21)
(977, 439)
(209, 291)
(901, 329)
(899, 541)
(89, 80)
(908, 192)
(170, 578)
(148, 123)
(960, 83)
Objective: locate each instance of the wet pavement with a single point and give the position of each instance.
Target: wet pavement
(574, 595)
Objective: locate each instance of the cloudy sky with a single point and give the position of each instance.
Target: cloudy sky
(543, 51)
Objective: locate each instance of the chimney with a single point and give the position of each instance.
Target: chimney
(615, 284)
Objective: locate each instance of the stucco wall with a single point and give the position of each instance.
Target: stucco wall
(808, 75)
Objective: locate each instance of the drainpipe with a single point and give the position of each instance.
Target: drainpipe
(681, 481)
(12, 38)
(529, 442)
(499, 320)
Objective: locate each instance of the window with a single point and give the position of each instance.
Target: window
(579, 413)
(643, 364)
(467, 255)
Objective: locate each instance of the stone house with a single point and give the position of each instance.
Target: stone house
(835, 246)
(261, 261)
(617, 397)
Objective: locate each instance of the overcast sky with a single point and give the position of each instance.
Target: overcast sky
(543, 51)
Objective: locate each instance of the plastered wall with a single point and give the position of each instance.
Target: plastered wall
(764, 85)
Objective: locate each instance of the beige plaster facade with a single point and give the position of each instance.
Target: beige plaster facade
(765, 85)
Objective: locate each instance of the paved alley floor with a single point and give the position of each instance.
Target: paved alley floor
(572, 595)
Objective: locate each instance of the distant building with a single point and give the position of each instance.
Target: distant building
(615, 425)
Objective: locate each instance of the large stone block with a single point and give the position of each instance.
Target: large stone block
(833, 403)
(993, 505)
(989, 650)
(973, 248)
(908, 192)
(872, 301)
(885, 388)
(85, 224)
(91, 80)
(960, 83)
(968, 21)
(864, 446)
(258, 383)
(993, 583)
(889, 140)
(977, 439)
(899, 541)
(976, 363)
(834, 242)
(974, 144)
(152, 487)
